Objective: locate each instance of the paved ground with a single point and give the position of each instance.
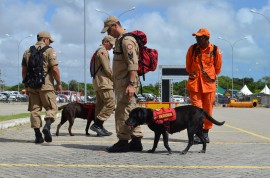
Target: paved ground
(238, 149)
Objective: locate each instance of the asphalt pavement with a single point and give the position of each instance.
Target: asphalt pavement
(240, 148)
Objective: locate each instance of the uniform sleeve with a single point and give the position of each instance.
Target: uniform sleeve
(131, 53)
(189, 59)
(104, 59)
(24, 63)
(218, 62)
(52, 57)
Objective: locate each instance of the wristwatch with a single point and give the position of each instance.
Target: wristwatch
(132, 83)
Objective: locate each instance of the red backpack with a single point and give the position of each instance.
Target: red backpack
(148, 57)
(93, 70)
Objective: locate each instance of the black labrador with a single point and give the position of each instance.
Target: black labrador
(187, 117)
(76, 110)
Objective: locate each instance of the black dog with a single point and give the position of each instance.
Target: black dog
(187, 117)
(76, 110)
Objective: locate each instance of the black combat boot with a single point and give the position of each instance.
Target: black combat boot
(98, 128)
(197, 140)
(120, 146)
(39, 138)
(46, 130)
(135, 144)
(106, 131)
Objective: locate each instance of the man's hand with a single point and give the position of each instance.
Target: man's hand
(130, 91)
(58, 87)
(26, 91)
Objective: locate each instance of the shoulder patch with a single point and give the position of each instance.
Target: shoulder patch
(129, 47)
(103, 52)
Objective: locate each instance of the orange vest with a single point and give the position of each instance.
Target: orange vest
(164, 116)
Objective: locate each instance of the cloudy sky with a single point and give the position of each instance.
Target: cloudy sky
(168, 25)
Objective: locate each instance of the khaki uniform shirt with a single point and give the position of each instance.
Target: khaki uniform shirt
(50, 60)
(104, 76)
(123, 63)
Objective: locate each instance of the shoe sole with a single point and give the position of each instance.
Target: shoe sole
(99, 134)
(47, 135)
(41, 141)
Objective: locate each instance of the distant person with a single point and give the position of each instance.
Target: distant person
(103, 86)
(203, 63)
(126, 86)
(43, 96)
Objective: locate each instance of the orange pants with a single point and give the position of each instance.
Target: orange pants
(205, 101)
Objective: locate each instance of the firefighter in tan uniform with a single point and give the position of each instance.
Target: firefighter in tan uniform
(44, 96)
(126, 86)
(103, 86)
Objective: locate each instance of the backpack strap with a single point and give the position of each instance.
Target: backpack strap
(207, 77)
(121, 42)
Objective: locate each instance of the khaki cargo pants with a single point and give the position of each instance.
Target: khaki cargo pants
(105, 104)
(124, 105)
(39, 99)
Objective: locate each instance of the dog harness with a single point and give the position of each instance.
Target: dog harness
(164, 116)
(91, 108)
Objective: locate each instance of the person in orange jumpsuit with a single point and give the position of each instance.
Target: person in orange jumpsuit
(203, 63)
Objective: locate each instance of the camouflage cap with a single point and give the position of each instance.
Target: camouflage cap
(45, 34)
(110, 39)
(109, 22)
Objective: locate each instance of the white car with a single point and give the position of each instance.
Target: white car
(178, 99)
(3, 97)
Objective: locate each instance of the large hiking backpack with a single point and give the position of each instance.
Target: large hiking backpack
(35, 76)
(148, 57)
(93, 70)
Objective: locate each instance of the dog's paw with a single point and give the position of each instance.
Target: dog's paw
(183, 152)
(151, 151)
(202, 151)
(87, 134)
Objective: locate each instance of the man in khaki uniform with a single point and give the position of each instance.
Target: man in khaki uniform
(103, 86)
(44, 96)
(126, 86)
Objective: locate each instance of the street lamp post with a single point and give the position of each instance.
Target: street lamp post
(18, 42)
(131, 9)
(255, 12)
(232, 46)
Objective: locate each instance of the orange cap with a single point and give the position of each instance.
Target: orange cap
(201, 32)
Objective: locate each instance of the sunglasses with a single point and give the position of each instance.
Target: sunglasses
(200, 37)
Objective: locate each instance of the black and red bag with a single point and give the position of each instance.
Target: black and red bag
(148, 57)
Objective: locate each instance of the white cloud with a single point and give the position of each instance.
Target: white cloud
(168, 25)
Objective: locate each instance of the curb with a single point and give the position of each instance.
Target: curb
(16, 122)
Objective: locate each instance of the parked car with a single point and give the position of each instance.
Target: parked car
(222, 99)
(140, 98)
(178, 98)
(3, 97)
(149, 96)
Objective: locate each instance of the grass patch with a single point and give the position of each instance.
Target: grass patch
(14, 116)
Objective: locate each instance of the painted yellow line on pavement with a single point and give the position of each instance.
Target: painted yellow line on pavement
(151, 142)
(248, 132)
(133, 166)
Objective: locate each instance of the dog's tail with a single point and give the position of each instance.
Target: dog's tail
(211, 119)
(62, 107)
